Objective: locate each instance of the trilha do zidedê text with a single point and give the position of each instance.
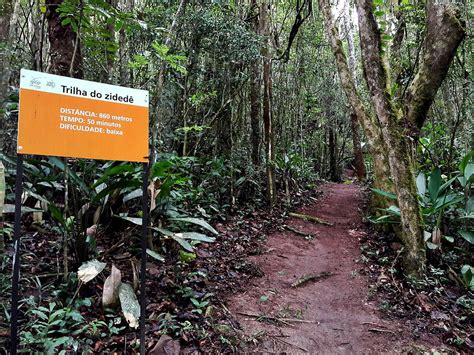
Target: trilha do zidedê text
(74, 90)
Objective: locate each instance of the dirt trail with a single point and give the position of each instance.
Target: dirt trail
(337, 315)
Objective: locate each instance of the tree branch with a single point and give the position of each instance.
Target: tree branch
(445, 32)
(299, 20)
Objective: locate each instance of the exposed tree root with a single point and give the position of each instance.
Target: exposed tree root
(308, 218)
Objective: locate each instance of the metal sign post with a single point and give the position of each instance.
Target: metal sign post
(16, 256)
(81, 119)
(145, 218)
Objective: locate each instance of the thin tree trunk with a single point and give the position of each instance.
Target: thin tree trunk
(333, 175)
(155, 124)
(359, 164)
(255, 88)
(267, 109)
(368, 122)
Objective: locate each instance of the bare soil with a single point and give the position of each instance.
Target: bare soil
(332, 315)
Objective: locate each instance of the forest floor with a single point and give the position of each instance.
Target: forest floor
(270, 283)
(314, 295)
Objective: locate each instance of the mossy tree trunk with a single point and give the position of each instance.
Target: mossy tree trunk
(364, 117)
(400, 126)
(392, 130)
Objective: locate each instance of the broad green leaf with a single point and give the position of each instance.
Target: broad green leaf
(125, 183)
(71, 174)
(134, 220)
(462, 180)
(163, 231)
(421, 184)
(432, 245)
(197, 221)
(469, 171)
(196, 236)
(447, 200)
(470, 205)
(129, 304)
(394, 210)
(90, 270)
(446, 185)
(385, 219)
(385, 194)
(160, 168)
(467, 272)
(155, 255)
(448, 238)
(185, 244)
(468, 235)
(134, 194)
(115, 170)
(434, 184)
(8, 208)
(467, 158)
(57, 214)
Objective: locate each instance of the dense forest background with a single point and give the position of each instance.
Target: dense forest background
(252, 103)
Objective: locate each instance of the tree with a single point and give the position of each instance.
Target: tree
(267, 107)
(64, 41)
(359, 164)
(400, 118)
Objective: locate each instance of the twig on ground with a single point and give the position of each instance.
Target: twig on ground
(308, 218)
(379, 330)
(374, 324)
(283, 320)
(311, 277)
(306, 236)
(290, 344)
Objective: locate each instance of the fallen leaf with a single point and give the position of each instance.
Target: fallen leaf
(89, 270)
(110, 294)
(92, 230)
(166, 346)
(129, 304)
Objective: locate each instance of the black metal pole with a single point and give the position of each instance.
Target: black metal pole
(16, 256)
(145, 210)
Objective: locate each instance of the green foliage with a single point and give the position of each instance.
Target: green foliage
(56, 327)
(467, 273)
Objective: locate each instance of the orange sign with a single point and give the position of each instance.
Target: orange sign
(68, 117)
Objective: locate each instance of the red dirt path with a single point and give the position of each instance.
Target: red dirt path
(336, 311)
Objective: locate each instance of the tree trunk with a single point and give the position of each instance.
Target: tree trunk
(359, 164)
(255, 133)
(65, 48)
(332, 144)
(255, 88)
(267, 109)
(400, 128)
(155, 123)
(368, 122)
(396, 137)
